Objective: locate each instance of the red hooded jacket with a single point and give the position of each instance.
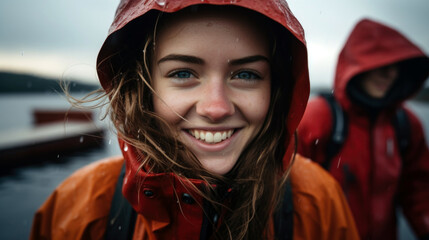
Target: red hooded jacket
(369, 165)
(320, 210)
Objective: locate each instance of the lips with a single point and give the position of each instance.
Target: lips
(211, 136)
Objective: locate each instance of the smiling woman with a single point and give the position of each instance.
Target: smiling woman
(209, 90)
(206, 100)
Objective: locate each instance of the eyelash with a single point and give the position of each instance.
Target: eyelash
(175, 75)
(251, 75)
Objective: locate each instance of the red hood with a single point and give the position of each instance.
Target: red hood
(372, 45)
(130, 10)
(277, 10)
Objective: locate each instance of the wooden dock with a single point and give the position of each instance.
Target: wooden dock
(53, 139)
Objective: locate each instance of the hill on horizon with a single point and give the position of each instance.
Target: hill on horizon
(25, 83)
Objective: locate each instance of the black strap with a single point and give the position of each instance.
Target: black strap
(339, 129)
(402, 127)
(122, 216)
(283, 218)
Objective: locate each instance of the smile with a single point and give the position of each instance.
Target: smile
(211, 136)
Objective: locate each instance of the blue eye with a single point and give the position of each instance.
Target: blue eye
(181, 74)
(247, 75)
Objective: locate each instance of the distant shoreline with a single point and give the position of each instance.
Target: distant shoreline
(13, 83)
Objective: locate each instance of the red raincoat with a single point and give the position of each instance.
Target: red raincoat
(79, 207)
(369, 165)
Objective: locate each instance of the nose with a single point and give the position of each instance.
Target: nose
(215, 103)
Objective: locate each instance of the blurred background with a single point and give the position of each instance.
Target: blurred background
(43, 42)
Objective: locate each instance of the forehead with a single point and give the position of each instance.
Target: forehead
(229, 26)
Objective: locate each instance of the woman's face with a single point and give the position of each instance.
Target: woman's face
(214, 72)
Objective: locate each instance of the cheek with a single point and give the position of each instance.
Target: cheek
(170, 104)
(255, 107)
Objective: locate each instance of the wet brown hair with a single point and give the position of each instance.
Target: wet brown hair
(257, 180)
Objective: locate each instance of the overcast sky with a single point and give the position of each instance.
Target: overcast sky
(61, 39)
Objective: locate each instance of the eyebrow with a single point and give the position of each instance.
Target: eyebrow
(182, 58)
(249, 59)
(197, 60)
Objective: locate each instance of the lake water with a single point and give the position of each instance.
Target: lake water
(24, 189)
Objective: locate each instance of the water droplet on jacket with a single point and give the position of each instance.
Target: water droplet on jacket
(338, 164)
(81, 139)
(161, 2)
(125, 148)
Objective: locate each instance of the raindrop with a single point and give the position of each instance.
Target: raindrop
(338, 164)
(161, 2)
(22, 53)
(332, 91)
(120, 228)
(81, 139)
(110, 141)
(237, 39)
(58, 156)
(317, 141)
(126, 148)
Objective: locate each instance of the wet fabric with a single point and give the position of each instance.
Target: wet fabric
(79, 207)
(369, 165)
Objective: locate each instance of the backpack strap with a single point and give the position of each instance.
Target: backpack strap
(283, 218)
(122, 216)
(339, 129)
(402, 126)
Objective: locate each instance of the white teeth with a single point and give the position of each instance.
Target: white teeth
(217, 137)
(211, 137)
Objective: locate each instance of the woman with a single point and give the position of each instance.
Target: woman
(205, 96)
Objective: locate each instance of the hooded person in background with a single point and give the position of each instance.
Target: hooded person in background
(378, 70)
(206, 97)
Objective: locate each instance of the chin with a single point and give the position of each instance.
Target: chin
(217, 167)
